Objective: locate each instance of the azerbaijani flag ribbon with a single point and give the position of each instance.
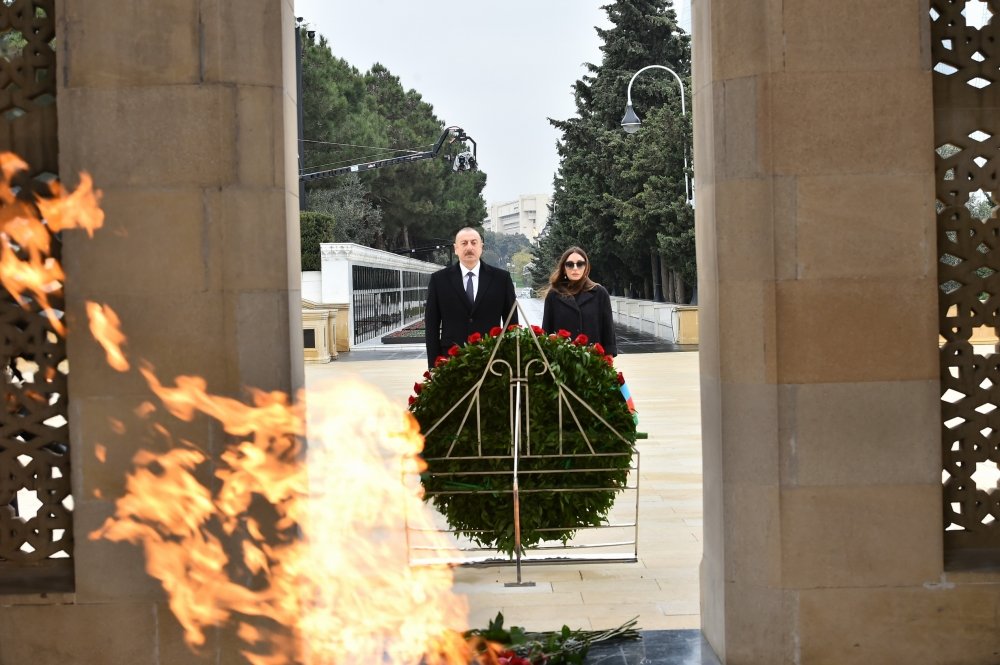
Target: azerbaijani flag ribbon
(627, 394)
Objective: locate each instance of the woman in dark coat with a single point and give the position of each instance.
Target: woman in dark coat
(577, 304)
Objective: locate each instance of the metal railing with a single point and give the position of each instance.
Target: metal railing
(385, 299)
(384, 291)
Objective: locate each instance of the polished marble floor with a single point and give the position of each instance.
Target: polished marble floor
(656, 647)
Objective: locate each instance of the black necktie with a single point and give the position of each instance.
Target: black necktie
(469, 292)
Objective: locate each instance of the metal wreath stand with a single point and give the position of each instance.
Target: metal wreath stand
(521, 377)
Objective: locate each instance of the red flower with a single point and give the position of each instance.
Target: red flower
(598, 349)
(537, 330)
(453, 351)
(512, 326)
(621, 379)
(440, 360)
(412, 400)
(427, 374)
(496, 331)
(510, 658)
(565, 334)
(474, 337)
(581, 340)
(417, 388)
(609, 360)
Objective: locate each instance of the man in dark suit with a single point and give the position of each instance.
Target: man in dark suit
(467, 298)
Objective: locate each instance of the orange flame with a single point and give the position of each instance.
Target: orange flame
(370, 602)
(80, 209)
(303, 552)
(336, 562)
(26, 266)
(106, 329)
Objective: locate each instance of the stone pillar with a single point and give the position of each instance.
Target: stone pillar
(184, 113)
(818, 308)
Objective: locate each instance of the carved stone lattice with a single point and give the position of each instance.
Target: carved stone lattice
(35, 503)
(966, 50)
(28, 82)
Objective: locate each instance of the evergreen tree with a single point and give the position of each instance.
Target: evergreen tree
(339, 123)
(351, 118)
(425, 200)
(347, 202)
(621, 197)
(314, 228)
(499, 248)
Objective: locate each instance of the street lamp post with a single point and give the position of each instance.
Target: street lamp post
(631, 122)
(303, 203)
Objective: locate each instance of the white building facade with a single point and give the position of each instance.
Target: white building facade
(528, 214)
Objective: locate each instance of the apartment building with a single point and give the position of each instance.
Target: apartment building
(528, 214)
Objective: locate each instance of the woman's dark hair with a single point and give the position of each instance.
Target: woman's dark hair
(560, 282)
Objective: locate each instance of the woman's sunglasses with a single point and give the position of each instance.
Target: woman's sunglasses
(575, 264)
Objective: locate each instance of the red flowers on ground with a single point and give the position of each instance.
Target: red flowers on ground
(565, 334)
(581, 340)
(496, 331)
(598, 349)
(453, 351)
(510, 658)
(474, 337)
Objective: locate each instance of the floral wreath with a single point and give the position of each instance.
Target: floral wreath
(573, 471)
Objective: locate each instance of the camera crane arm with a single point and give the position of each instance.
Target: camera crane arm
(464, 161)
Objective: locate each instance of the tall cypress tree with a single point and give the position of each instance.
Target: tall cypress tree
(621, 196)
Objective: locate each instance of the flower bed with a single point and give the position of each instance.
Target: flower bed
(411, 334)
(472, 486)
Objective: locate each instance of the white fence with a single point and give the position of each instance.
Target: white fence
(671, 322)
(383, 291)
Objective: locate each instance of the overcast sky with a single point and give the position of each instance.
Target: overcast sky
(496, 69)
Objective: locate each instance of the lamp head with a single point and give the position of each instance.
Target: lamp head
(631, 122)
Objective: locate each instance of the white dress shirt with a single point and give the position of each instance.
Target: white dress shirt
(475, 278)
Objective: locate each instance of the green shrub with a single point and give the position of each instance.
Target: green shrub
(314, 228)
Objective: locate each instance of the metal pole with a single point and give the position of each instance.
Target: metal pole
(680, 83)
(298, 101)
(518, 382)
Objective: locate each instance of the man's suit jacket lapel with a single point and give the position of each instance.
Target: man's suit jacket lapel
(485, 279)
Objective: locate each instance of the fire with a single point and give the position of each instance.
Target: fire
(105, 327)
(334, 562)
(79, 209)
(294, 536)
(371, 602)
(26, 264)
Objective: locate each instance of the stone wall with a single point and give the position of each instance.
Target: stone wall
(818, 304)
(184, 113)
